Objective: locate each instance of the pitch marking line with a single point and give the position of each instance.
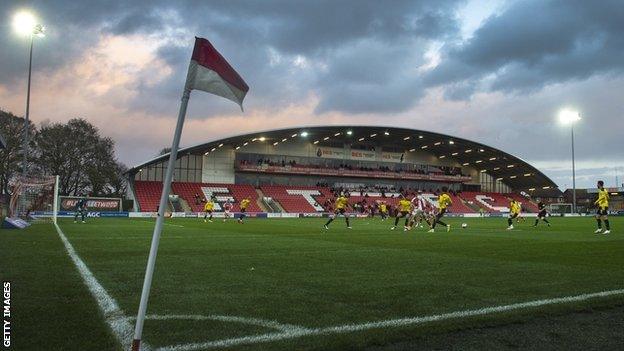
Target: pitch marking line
(113, 315)
(232, 319)
(391, 323)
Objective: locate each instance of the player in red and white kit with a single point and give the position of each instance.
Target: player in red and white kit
(419, 207)
(227, 208)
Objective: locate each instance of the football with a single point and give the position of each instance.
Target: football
(464, 225)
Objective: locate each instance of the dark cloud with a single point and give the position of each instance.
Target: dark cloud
(253, 34)
(536, 43)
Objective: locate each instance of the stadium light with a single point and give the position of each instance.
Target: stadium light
(373, 135)
(570, 117)
(262, 138)
(25, 23)
(304, 134)
(386, 133)
(420, 137)
(349, 132)
(451, 142)
(443, 156)
(406, 138)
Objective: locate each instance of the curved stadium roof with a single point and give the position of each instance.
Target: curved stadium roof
(513, 171)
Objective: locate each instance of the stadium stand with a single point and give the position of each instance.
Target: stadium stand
(196, 194)
(490, 202)
(148, 194)
(297, 198)
(459, 206)
(527, 204)
(309, 199)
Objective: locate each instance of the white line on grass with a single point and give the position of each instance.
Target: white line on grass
(113, 315)
(232, 319)
(391, 323)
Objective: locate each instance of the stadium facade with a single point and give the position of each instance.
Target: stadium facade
(370, 157)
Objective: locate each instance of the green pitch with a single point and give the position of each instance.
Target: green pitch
(218, 281)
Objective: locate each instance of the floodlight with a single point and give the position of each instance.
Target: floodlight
(569, 116)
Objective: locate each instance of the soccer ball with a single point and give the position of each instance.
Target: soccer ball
(464, 225)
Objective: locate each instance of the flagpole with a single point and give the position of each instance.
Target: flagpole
(160, 219)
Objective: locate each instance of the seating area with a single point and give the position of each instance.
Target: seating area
(309, 199)
(297, 198)
(527, 204)
(223, 192)
(489, 202)
(148, 194)
(459, 206)
(311, 170)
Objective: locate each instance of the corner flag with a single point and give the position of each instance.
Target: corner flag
(210, 72)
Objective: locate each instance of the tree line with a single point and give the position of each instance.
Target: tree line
(83, 159)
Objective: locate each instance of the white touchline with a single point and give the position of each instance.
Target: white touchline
(401, 322)
(113, 315)
(232, 319)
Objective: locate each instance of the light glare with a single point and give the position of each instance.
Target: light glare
(569, 116)
(24, 23)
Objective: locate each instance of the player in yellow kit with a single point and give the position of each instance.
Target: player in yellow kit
(383, 210)
(444, 200)
(243, 209)
(603, 209)
(342, 203)
(208, 208)
(405, 208)
(514, 212)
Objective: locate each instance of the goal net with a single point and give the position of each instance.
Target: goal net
(34, 198)
(560, 208)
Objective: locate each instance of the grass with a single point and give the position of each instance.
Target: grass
(293, 272)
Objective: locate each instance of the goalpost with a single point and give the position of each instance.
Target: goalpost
(561, 208)
(34, 198)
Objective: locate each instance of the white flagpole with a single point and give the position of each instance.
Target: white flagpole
(151, 261)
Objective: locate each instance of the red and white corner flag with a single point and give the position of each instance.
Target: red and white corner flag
(210, 72)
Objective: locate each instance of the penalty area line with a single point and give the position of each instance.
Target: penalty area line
(390, 323)
(113, 315)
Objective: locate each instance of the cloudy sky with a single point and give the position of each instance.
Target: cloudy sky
(494, 71)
